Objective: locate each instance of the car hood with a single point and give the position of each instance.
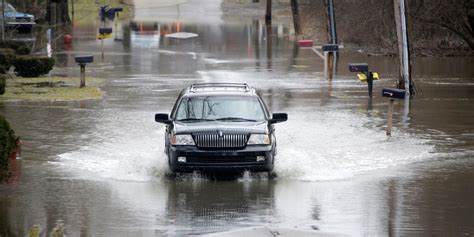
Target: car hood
(215, 126)
(17, 14)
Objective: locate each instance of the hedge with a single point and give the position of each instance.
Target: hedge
(7, 146)
(27, 66)
(6, 57)
(3, 84)
(21, 48)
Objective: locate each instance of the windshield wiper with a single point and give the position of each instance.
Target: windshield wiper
(236, 119)
(194, 120)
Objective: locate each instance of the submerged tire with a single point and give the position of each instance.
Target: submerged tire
(272, 175)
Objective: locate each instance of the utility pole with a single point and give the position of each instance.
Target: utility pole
(331, 22)
(404, 81)
(296, 16)
(256, 35)
(330, 56)
(268, 14)
(268, 25)
(269, 45)
(72, 9)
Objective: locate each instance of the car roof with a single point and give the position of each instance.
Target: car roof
(220, 89)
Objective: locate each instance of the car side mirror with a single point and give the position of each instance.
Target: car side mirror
(162, 118)
(278, 117)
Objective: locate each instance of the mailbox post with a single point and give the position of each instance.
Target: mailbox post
(110, 13)
(392, 94)
(364, 68)
(103, 32)
(329, 51)
(82, 61)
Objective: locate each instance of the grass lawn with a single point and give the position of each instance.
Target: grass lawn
(51, 89)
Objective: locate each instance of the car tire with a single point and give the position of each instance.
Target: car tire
(272, 175)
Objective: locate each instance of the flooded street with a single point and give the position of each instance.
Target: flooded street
(99, 167)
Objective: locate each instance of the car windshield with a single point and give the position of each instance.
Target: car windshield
(220, 108)
(8, 7)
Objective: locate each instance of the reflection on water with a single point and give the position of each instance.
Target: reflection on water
(211, 206)
(379, 205)
(99, 166)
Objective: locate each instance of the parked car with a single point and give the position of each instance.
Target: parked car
(220, 127)
(16, 20)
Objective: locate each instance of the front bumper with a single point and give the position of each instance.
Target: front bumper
(221, 160)
(19, 25)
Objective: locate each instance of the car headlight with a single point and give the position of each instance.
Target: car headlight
(259, 139)
(182, 139)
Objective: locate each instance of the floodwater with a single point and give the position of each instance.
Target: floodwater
(98, 166)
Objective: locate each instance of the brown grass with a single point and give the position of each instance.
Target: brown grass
(51, 89)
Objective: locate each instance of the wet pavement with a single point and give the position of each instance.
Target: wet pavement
(99, 167)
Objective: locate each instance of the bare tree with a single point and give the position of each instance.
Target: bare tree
(457, 16)
(57, 12)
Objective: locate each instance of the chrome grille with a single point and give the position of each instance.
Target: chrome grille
(23, 19)
(213, 140)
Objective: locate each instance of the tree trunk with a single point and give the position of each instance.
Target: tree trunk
(57, 12)
(268, 14)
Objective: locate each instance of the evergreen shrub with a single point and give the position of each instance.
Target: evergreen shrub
(27, 66)
(3, 84)
(21, 48)
(7, 146)
(6, 57)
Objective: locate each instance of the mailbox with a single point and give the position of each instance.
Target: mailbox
(358, 67)
(393, 93)
(109, 12)
(330, 47)
(113, 10)
(365, 74)
(84, 59)
(103, 9)
(305, 43)
(104, 31)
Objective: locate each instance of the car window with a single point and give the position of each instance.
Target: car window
(220, 107)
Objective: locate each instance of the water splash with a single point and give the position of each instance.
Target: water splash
(194, 176)
(329, 145)
(121, 150)
(312, 146)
